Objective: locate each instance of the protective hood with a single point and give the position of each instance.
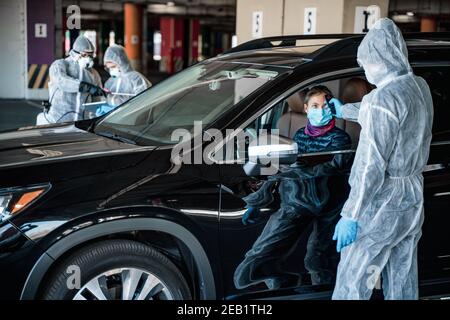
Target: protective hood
(81, 44)
(117, 54)
(383, 53)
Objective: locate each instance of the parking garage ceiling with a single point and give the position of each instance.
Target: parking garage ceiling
(411, 11)
(211, 8)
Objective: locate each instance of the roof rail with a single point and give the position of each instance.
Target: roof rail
(349, 45)
(283, 41)
(427, 36)
(291, 41)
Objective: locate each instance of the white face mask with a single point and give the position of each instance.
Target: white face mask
(86, 62)
(114, 72)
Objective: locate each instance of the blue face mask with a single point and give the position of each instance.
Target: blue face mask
(319, 117)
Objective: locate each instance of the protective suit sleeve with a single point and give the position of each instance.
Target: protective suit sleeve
(378, 138)
(350, 111)
(109, 84)
(98, 82)
(97, 78)
(61, 79)
(140, 85)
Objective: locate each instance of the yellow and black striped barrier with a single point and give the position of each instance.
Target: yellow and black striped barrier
(38, 76)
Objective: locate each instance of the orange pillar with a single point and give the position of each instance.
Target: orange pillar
(428, 24)
(133, 34)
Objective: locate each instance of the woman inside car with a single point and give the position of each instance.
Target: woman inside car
(304, 199)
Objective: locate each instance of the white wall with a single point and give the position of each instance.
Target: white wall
(349, 14)
(328, 17)
(286, 17)
(272, 18)
(13, 71)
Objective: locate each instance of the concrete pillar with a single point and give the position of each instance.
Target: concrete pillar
(13, 80)
(40, 46)
(133, 34)
(428, 24)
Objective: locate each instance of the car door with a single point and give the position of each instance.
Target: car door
(237, 239)
(434, 246)
(279, 252)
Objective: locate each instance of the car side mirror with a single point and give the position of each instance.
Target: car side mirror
(265, 156)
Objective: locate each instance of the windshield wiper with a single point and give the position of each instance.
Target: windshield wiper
(115, 137)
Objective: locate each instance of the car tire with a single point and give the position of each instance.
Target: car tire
(116, 270)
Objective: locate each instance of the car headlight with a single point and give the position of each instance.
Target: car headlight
(14, 200)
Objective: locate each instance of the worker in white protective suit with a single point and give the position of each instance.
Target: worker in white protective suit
(73, 82)
(124, 82)
(381, 221)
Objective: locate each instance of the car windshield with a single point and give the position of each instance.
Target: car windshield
(200, 93)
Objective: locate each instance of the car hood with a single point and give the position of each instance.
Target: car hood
(22, 147)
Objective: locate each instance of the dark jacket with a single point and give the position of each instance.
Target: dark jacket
(304, 188)
(335, 139)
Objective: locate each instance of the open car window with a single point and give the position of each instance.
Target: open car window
(288, 117)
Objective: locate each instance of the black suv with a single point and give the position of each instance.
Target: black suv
(146, 202)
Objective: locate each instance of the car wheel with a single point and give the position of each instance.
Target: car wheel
(116, 270)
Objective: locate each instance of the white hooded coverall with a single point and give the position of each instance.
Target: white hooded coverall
(386, 197)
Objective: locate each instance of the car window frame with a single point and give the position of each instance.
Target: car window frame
(329, 76)
(434, 167)
(434, 65)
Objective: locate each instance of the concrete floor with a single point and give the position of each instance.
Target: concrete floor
(21, 113)
(18, 113)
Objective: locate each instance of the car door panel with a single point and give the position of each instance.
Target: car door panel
(434, 246)
(237, 239)
(281, 248)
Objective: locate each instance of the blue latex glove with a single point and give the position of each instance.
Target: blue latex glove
(103, 109)
(335, 106)
(345, 233)
(250, 216)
